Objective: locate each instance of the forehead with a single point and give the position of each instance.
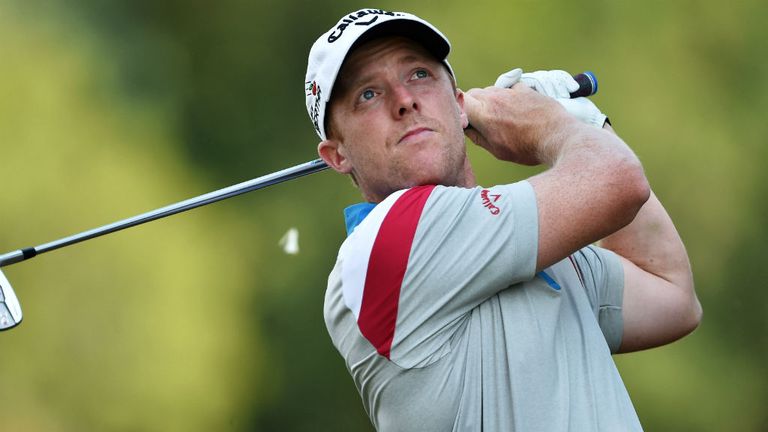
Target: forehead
(377, 53)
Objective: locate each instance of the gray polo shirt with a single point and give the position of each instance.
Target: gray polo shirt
(436, 308)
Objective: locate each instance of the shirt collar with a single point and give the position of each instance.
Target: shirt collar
(355, 214)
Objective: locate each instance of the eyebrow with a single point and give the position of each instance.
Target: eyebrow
(351, 83)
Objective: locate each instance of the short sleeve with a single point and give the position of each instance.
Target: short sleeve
(472, 243)
(603, 276)
(469, 245)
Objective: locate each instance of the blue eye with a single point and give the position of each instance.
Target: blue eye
(368, 94)
(421, 73)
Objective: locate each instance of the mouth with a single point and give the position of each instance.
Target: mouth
(414, 134)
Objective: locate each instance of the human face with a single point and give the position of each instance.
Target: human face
(397, 120)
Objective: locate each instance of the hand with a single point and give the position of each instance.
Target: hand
(559, 85)
(515, 124)
(508, 79)
(584, 110)
(555, 83)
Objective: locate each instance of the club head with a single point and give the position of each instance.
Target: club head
(10, 309)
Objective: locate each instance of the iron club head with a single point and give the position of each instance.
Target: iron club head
(10, 309)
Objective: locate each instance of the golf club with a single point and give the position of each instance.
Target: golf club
(10, 309)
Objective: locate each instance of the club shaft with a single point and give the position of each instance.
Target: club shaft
(209, 198)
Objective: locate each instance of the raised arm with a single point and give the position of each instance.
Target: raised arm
(594, 189)
(595, 184)
(660, 304)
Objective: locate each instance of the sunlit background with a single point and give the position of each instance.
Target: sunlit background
(203, 322)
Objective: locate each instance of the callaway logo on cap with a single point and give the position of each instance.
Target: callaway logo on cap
(330, 50)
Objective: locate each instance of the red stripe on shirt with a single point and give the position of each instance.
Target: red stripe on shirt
(386, 268)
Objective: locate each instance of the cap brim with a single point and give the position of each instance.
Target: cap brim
(418, 32)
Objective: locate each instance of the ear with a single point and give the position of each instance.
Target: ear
(460, 102)
(334, 154)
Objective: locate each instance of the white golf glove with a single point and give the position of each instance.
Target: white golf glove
(508, 79)
(585, 110)
(559, 85)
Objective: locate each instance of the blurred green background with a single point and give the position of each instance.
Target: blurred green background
(202, 322)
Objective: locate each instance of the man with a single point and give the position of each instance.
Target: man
(458, 307)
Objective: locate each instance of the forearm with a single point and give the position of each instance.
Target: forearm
(652, 243)
(595, 183)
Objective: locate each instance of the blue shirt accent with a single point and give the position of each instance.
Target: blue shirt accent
(355, 214)
(551, 282)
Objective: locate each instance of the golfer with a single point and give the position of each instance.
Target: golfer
(466, 308)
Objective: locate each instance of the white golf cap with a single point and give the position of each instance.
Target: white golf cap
(329, 51)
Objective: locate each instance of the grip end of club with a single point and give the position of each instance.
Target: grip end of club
(587, 84)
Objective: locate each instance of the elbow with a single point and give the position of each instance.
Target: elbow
(690, 314)
(689, 321)
(638, 188)
(696, 315)
(632, 187)
(694, 310)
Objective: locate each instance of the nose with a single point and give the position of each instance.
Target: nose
(404, 101)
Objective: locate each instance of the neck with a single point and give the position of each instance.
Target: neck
(466, 180)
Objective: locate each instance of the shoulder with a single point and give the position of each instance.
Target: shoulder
(405, 211)
(445, 200)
